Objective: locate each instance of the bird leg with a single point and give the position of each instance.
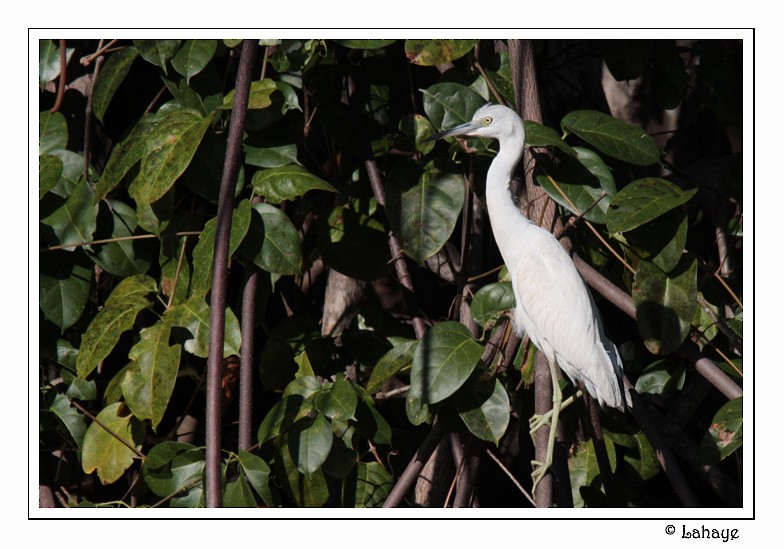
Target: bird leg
(541, 468)
(539, 420)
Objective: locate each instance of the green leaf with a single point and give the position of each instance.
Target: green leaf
(395, 360)
(725, 434)
(429, 53)
(259, 95)
(194, 316)
(238, 494)
(338, 402)
(484, 408)
(175, 468)
(272, 242)
(344, 235)
(127, 154)
(422, 206)
(660, 377)
(537, 135)
(73, 419)
(582, 178)
(665, 303)
(173, 140)
(365, 44)
(258, 473)
(584, 468)
(613, 137)
(117, 316)
(642, 455)
(309, 442)
(49, 61)
(370, 423)
(450, 104)
(149, 382)
(282, 415)
(644, 200)
(491, 302)
(305, 490)
(193, 56)
(272, 156)
(52, 132)
(101, 449)
(278, 364)
(75, 221)
(50, 168)
(203, 253)
(109, 79)
(73, 172)
(286, 183)
(157, 52)
(64, 286)
(443, 361)
(661, 240)
(124, 257)
(415, 129)
(371, 485)
(499, 73)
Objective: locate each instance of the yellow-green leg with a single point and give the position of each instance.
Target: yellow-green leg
(541, 468)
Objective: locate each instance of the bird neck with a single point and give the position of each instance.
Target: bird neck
(500, 205)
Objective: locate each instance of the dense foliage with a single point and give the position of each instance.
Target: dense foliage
(344, 390)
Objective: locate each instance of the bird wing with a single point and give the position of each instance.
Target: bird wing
(556, 311)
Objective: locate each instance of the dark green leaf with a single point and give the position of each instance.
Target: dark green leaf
(102, 451)
(126, 154)
(286, 183)
(725, 434)
(175, 468)
(491, 301)
(665, 303)
(73, 419)
(448, 105)
(50, 168)
(271, 157)
(613, 137)
(49, 61)
(437, 52)
(423, 206)
(443, 361)
(272, 242)
(373, 484)
(395, 360)
(193, 56)
(238, 494)
(52, 132)
(74, 222)
(537, 135)
(642, 201)
(344, 235)
(484, 408)
(338, 402)
(64, 286)
(258, 473)
(309, 442)
(109, 79)
(661, 240)
(285, 412)
(157, 52)
(365, 44)
(124, 257)
(370, 423)
(305, 490)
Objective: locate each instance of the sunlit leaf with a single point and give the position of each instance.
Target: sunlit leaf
(49, 61)
(338, 402)
(484, 408)
(258, 473)
(725, 434)
(272, 242)
(194, 316)
(109, 442)
(642, 201)
(395, 360)
(75, 221)
(259, 95)
(537, 135)
(309, 442)
(286, 183)
(52, 132)
(613, 137)
(193, 56)
(491, 301)
(665, 303)
(436, 52)
(175, 469)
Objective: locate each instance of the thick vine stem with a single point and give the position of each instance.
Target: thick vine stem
(220, 274)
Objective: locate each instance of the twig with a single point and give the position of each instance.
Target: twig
(101, 50)
(415, 466)
(729, 290)
(212, 468)
(177, 273)
(511, 477)
(155, 99)
(116, 239)
(393, 392)
(246, 358)
(86, 412)
(490, 85)
(61, 82)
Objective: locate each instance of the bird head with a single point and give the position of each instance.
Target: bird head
(491, 121)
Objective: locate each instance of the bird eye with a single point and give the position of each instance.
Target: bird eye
(486, 120)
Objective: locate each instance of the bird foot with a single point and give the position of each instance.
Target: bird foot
(539, 471)
(538, 421)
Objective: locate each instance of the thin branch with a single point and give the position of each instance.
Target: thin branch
(511, 476)
(100, 51)
(729, 290)
(86, 412)
(58, 102)
(247, 350)
(116, 239)
(177, 273)
(88, 119)
(409, 476)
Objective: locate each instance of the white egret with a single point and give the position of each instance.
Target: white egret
(554, 307)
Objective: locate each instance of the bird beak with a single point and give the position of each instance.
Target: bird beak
(462, 129)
